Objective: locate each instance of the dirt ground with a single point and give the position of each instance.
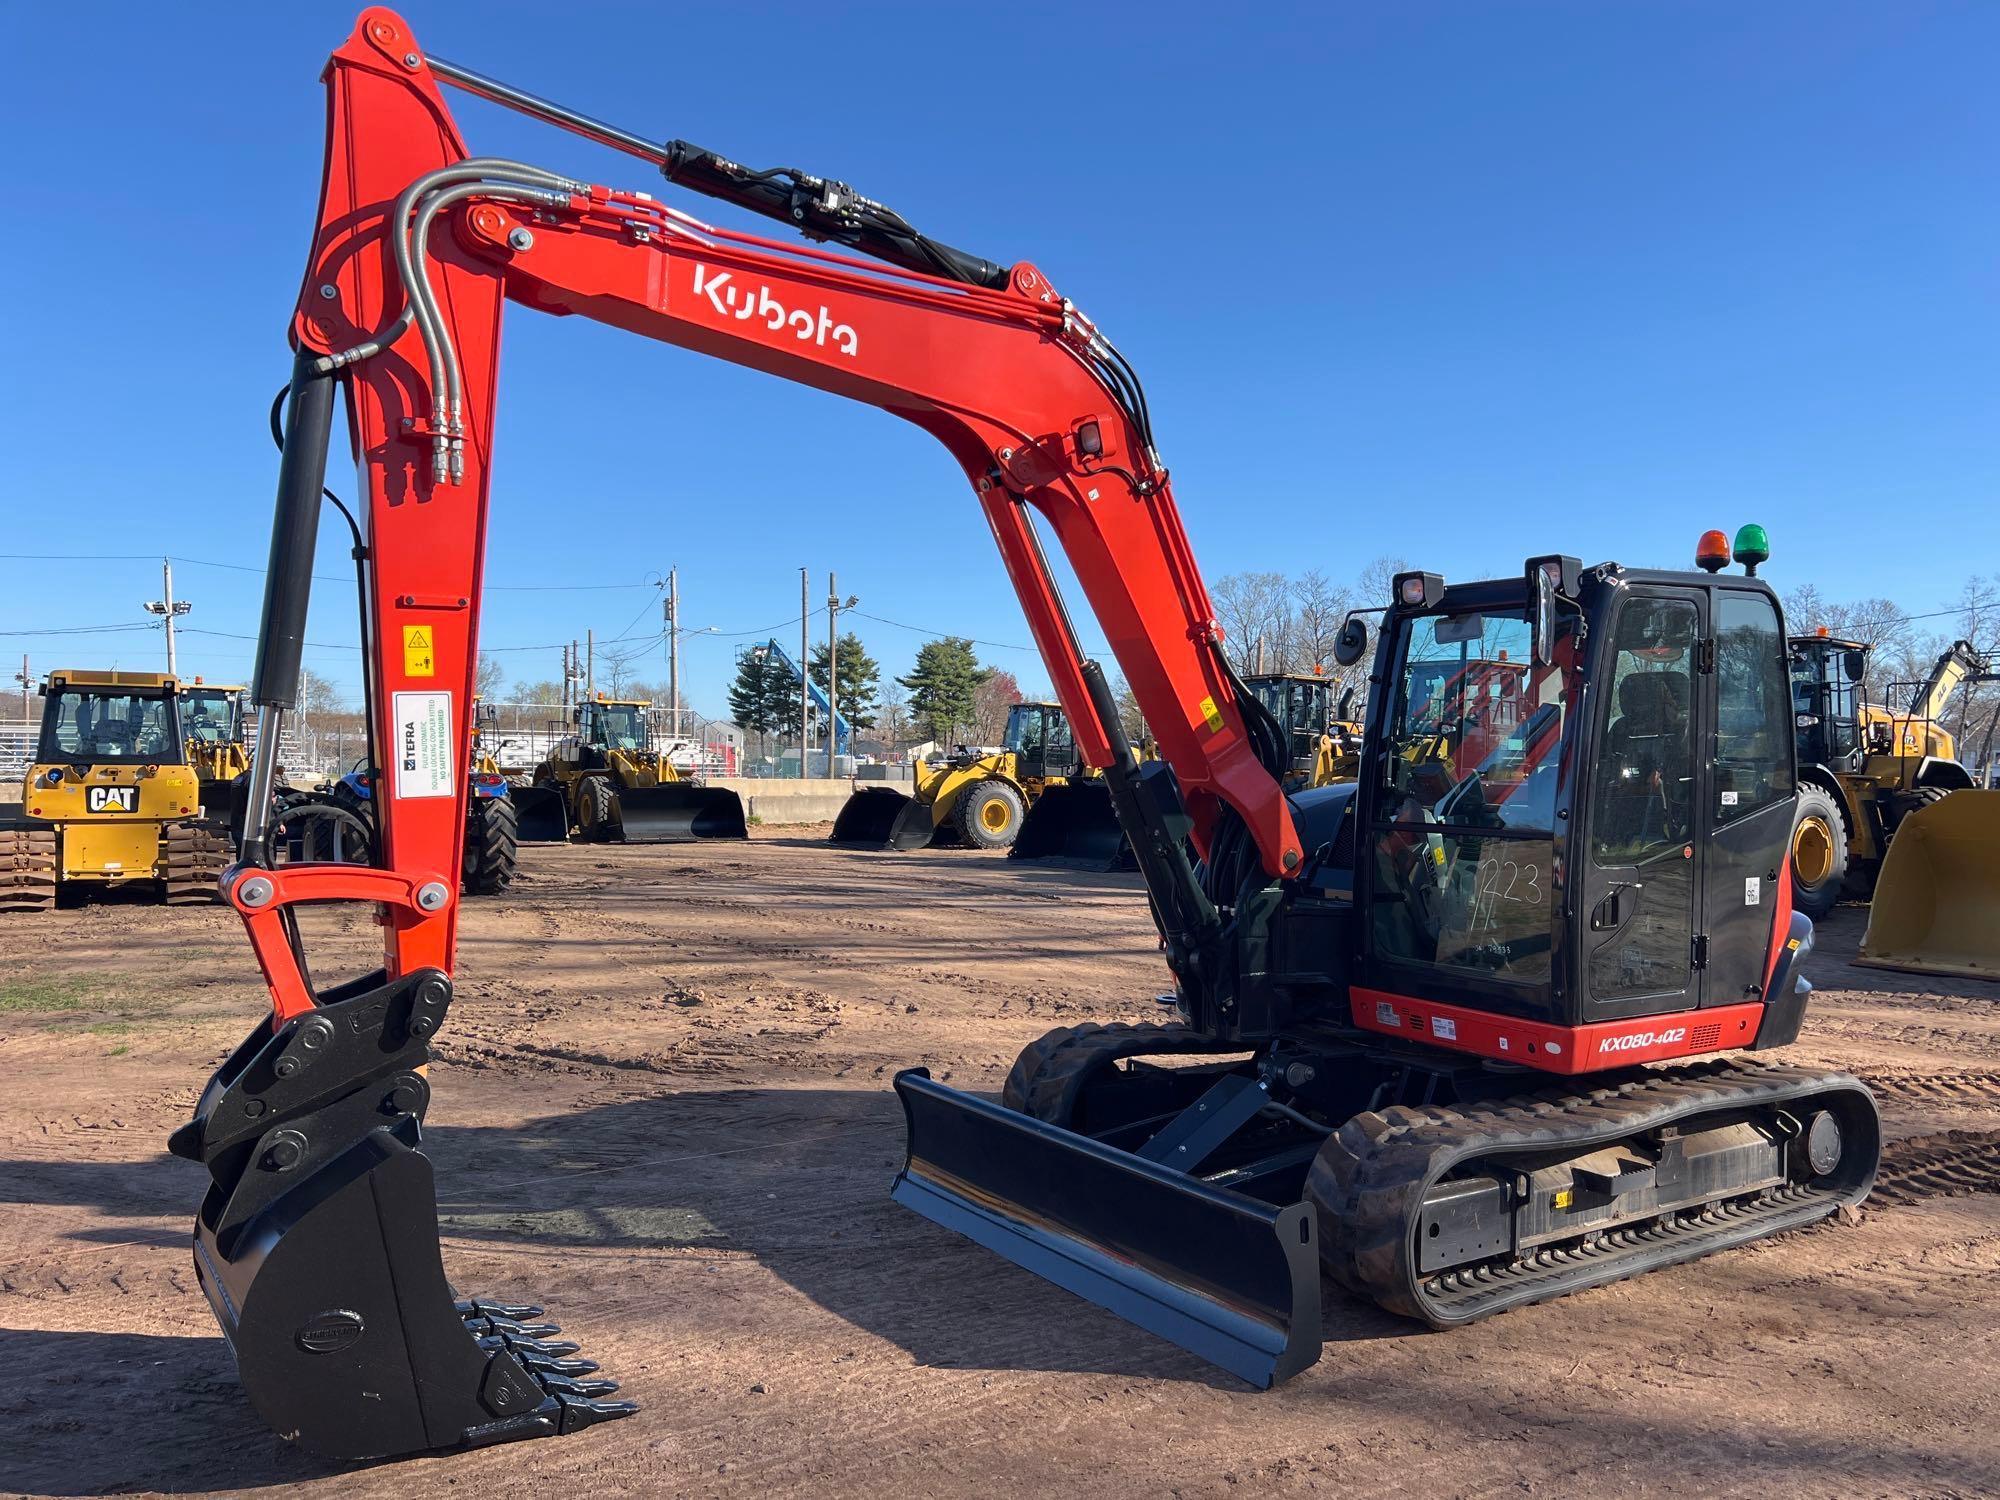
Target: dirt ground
(662, 1108)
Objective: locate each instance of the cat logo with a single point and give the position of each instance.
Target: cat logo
(113, 799)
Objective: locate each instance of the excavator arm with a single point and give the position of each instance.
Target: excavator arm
(420, 246)
(316, 1243)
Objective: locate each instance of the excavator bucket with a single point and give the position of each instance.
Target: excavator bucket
(542, 814)
(678, 813)
(317, 1245)
(1938, 890)
(1224, 1275)
(1073, 823)
(880, 817)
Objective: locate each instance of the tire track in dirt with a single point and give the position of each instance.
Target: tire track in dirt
(1947, 1164)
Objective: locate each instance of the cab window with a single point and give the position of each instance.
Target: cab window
(1644, 784)
(1753, 730)
(84, 726)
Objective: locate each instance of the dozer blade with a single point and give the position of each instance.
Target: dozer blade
(880, 817)
(542, 814)
(1223, 1275)
(678, 814)
(1938, 890)
(317, 1245)
(1074, 824)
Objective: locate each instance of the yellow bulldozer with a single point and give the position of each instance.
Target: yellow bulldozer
(1888, 814)
(977, 797)
(212, 734)
(604, 782)
(111, 798)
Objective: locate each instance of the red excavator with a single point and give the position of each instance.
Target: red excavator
(1415, 1011)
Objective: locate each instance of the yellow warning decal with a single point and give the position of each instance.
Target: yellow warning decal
(417, 658)
(1211, 713)
(1562, 1198)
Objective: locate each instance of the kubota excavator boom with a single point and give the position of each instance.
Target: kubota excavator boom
(317, 1241)
(311, 1130)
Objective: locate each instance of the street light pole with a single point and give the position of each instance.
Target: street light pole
(171, 609)
(673, 607)
(805, 669)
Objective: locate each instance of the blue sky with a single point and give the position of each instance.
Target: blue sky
(1461, 282)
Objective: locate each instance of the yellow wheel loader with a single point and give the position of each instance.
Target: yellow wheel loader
(605, 783)
(212, 734)
(1867, 772)
(975, 797)
(111, 798)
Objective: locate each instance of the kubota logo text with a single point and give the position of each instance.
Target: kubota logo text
(729, 301)
(1639, 1039)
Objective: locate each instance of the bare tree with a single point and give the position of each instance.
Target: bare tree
(997, 692)
(1317, 611)
(491, 678)
(1254, 608)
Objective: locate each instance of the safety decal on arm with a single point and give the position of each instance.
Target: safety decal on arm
(425, 761)
(1212, 714)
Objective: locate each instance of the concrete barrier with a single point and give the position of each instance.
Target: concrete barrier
(772, 800)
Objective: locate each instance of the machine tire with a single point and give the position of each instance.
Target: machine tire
(1818, 852)
(599, 808)
(989, 813)
(492, 842)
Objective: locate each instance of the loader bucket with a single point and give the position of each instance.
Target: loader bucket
(317, 1245)
(880, 817)
(1938, 890)
(542, 814)
(1225, 1276)
(678, 813)
(1074, 824)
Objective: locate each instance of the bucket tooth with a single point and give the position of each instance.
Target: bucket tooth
(481, 1307)
(317, 1245)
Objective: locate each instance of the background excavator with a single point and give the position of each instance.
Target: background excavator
(1415, 1010)
(114, 796)
(1888, 813)
(613, 786)
(975, 797)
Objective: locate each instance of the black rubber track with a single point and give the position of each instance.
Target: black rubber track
(1369, 1181)
(1049, 1076)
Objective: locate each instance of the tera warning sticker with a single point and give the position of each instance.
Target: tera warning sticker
(423, 750)
(1211, 715)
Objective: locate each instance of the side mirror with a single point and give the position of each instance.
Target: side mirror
(1351, 643)
(1856, 663)
(1543, 591)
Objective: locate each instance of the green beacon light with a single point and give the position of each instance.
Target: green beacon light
(1752, 547)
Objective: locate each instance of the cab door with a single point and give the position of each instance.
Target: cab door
(1642, 856)
(1750, 795)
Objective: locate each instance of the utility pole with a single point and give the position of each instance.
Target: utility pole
(805, 674)
(589, 664)
(170, 608)
(27, 686)
(672, 605)
(832, 671)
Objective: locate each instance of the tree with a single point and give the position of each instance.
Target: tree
(490, 679)
(543, 694)
(942, 686)
(1130, 717)
(1254, 611)
(996, 693)
(763, 700)
(1318, 609)
(318, 695)
(893, 714)
(860, 679)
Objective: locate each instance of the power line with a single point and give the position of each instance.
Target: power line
(205, 562)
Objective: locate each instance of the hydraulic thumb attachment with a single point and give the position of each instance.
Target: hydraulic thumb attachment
(317, 1245)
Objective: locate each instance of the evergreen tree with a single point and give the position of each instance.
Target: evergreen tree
(860, 679)
(763, 699)
(944, 685)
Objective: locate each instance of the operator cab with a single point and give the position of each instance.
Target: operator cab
(211, 715)
(1302, 705)
(1039, 736)
(89, 722)
(605, 725)
(1828, 677)
(1539, 831)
